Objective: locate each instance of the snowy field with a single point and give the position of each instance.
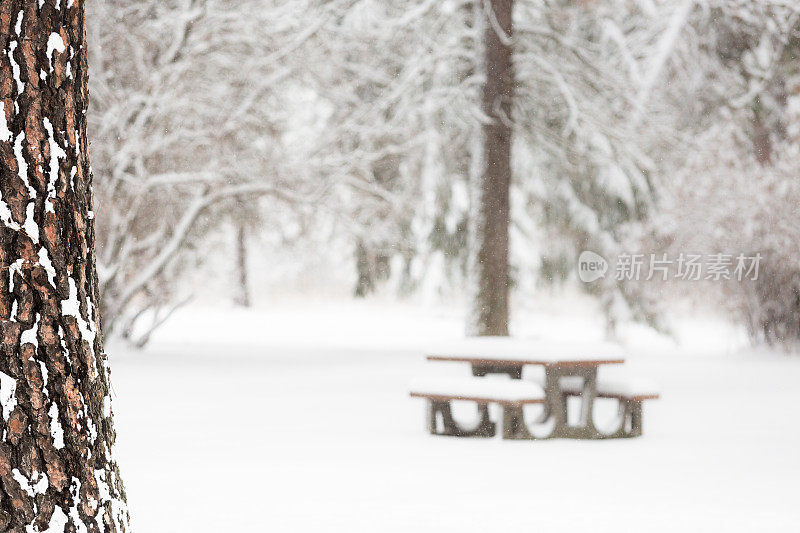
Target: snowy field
(296, 418)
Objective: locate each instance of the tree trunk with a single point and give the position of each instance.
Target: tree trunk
(495, 179)
(365, 283)
(57, 472)
(243, 296)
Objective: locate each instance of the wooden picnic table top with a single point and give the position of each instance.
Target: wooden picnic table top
(505, 351)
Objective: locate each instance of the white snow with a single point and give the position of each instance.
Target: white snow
(55, 427)
(58, 521)
(29, 336)
(8, 394)
(30, 226)
(5, 216)
(32, 488)
(44, 260)
(55, 42)
(477, 388)
(15, 68)
(21, 162)
(5, 133)
(56, 153)
(297, 418)
(16, 267)
(71, 307)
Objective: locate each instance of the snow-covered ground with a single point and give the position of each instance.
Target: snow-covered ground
(296, 418)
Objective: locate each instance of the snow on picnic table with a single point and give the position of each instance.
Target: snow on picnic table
(628, 386)
(488, 388)
(516, 349)
(298, 419)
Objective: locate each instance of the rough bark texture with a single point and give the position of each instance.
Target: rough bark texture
(56, 467)
(493, 216)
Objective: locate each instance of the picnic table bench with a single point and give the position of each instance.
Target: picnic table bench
(570, 370)
(439, 392)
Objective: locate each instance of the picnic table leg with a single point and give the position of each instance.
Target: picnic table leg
(557, 403)
(624, 412)
(588, 395)
(486, 428)
(433, 411)
(630, 420)
(436, 408)
(514, 424)
(635, 410)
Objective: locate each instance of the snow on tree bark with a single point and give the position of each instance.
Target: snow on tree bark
(57, 472)
(495, 180)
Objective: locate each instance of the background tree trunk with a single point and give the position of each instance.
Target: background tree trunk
(57, 472)
(495, 179)
(365, 283)
(243, 287)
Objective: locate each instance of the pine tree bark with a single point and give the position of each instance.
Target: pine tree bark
(57, 472)
(493, 216)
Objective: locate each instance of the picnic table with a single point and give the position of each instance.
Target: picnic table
(570, 370)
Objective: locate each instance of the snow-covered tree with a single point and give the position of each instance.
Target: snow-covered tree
(591, 142)
(400, 86)
(738, 191)
(396, 86)
(363, 119)
(188, 119)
